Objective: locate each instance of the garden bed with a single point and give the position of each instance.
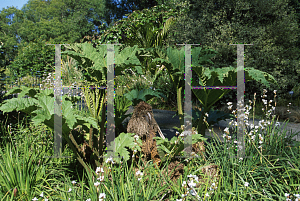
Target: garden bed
(166, 122)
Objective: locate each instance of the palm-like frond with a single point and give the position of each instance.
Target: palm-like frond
(93, 99)
(164, 32)
(147, 37)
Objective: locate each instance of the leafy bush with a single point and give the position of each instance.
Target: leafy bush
(175, 147)
(122, 105)
(214, 116)
(40, 106)
(33, 57)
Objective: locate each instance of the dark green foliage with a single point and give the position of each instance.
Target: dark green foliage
(124, 31)
(167, 147)
(25, 32)
(271, 26)
(122, 105)
(2, 69)
(122, 143)
(32, 57)
(137, 96)
(122, 8)
(64, 21)
(214, 116)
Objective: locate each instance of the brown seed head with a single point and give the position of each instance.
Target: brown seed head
(15, 192)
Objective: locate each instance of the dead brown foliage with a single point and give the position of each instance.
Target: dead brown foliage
(144, 125)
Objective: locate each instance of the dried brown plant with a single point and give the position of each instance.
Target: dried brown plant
(144, 125)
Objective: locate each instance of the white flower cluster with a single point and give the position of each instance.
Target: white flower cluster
(190, 185)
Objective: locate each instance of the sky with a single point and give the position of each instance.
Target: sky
(16, 3)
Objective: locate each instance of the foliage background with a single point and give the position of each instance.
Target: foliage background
(272, 26)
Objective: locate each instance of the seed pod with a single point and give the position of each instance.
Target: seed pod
(15, 192)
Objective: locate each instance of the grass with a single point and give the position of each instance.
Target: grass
(270, 170)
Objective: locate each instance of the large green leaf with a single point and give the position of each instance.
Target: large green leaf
(259, 76)
(125, 58)
(226, 76)
(69, 118)
(121, 142)
(209, 77)
(202, 56)
(23, 91)
(144, 95)
(41, 107)
(94, 60)
(174, 60)
(45, 110)
(27, 105)
(20, 104)
(91, 59)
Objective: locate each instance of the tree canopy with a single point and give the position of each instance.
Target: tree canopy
(271, 26)
(53, 22)
(119, 9)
